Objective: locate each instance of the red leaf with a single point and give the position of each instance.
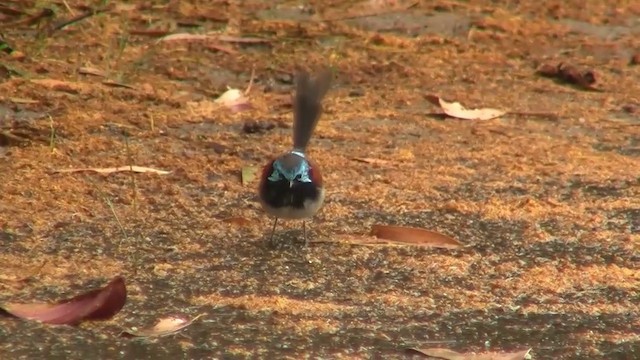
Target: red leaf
(414, 236)
(98, 304)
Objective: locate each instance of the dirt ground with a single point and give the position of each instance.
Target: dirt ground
(546, 199)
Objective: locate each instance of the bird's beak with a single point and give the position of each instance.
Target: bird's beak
(290, 184)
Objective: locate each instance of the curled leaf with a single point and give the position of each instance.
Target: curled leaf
(98, 304)
(455, 109)
(414, 236)
(235, 100)
(446, 354)
(87, 70)
(567, 73)
(164, 327)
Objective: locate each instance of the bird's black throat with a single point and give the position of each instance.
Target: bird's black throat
(279, 194)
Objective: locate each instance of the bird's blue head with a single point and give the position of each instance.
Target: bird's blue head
(292, 167)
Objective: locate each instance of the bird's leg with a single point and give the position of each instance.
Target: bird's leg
(273, 230)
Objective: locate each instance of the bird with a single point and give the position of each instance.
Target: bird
(291, 184)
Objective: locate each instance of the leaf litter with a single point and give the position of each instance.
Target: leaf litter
(446, 354)
(166, 326)
(455, 109)
(98, 304)
(569, 74)
(398, 236)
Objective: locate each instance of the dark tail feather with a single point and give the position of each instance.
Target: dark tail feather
(307, 105)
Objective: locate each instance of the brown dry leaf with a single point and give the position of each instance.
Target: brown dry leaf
(98, 304)
(117, 84)
(186, 37)
(372, 161)
(164, 327)
(213, 37)
(446, 354)
(235, 100)
(582, 78)
(455, 109)
(243, 40)
(134, 168)
(16, 100)
(414, 236)
(85, 70)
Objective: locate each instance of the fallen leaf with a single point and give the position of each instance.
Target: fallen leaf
(446, 354)
(164, 327)
(235, 100)
(98, 304)
(569, 74)
(414, 236)
(372, 161)
(221, 48)
(243, 40)
(248, 174)
(134, 168)
(455, 109)
(16, 100)
(117, 84)
(186, 37)
(85, 70)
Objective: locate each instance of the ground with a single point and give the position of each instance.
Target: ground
(546, 199)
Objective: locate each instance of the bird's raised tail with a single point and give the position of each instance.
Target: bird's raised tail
(307, 105)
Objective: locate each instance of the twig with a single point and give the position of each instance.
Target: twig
(69, 9)
(253, 75)
(150, 32)
(10, 11)
(551, 116)
(115, 215)
(43, 14)
(75, 19)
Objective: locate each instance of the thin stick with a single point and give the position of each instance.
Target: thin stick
(253, 75)
(75, 19)
(113, 211)
(69, 9)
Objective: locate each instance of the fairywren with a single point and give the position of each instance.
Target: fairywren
(291, 184)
